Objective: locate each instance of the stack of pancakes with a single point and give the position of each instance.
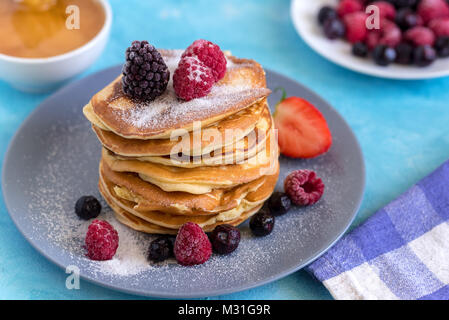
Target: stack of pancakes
(211, 160)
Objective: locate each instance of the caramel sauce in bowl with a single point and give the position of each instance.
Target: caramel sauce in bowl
(42, 45)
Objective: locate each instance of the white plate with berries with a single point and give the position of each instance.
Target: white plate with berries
(52, 162)
(412, 41)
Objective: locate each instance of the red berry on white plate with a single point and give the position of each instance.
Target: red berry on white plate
(355, 24)
(349, 6)
(391, 34)
(440, 27)
(420, 36)
(386, 9)
(302, 129)
(373, 38)
(432, 9)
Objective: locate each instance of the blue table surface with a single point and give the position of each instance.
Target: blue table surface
(402, 126)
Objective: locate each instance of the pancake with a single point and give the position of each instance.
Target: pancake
(242, 123)
(139, 224)
(148, 197)
(199, 180)
(131, 221)
(212, 160)
(242, 150)
(234, 153)
(243, 85)
(144, 226)
(176, 221)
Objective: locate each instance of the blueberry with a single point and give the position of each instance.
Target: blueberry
(326, 13)
(424, 56)
(225, 239)
(334, 28)
(279, 203)
(160, 249)
(404, 3)
(262, 223)
(406, 18)
(360, 49)
(384, 55)
(442, 46)
(87, 207)
(404, 53)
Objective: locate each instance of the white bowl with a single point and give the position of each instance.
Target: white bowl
(45, 74)
(304, 13)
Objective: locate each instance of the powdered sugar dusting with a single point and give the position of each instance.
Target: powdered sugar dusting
(196, 70)
(167, 110)
(64, 171)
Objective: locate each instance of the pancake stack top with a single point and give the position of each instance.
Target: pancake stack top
(211, 160)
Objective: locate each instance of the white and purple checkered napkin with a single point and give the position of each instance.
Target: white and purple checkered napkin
(401, 252)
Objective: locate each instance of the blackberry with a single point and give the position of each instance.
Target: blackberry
(225, 239)
(87, 207)
(262, 223)
(160, 249)
(145, 74)
(279, 203)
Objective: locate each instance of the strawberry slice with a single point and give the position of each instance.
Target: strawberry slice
(302, 130)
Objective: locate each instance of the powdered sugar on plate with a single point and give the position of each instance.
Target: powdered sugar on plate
(54, 160)
(60, 184)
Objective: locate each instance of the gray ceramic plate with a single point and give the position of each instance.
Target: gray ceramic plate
(53, 160)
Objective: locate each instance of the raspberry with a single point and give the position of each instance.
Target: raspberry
(386, 10)
(192, 246)
(373, 38)
(101, 240)
(355, 24)
(192, 79)
(440, 27)
(391, 34)
(432, 9)
(420, 36)
(210, 54)
(304, 187)
(145, 74)
(349, 6)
